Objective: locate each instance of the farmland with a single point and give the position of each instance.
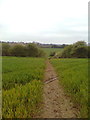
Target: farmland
(48, 51)
(22, 86)
(73, 75)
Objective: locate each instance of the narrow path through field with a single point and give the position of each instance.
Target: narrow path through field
(56, 103)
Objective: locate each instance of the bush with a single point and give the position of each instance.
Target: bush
(66, 52)
(18, 50)
(41, 53)
(78, 50)
(34, 51)
(5, 49)
(29, 50)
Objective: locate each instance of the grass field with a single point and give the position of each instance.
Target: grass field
(22, 86)
(73, 75)
(50, 50)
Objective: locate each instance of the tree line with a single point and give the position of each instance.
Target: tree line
(77, 50)
(19, 50)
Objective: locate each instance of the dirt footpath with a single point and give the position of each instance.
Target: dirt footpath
(56, 103)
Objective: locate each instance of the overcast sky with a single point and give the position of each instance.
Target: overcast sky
(45, 21)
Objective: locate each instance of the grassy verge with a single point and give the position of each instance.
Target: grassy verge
(73, 75)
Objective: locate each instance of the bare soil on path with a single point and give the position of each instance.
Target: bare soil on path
(56, 102)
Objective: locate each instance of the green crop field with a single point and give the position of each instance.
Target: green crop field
(50, 50)
(73, 75)
(22, 86)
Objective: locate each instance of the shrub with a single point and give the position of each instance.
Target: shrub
(66, 52)
(34, 51)
(78, 50)
(18, 50)
(41, 53)
(5, 49)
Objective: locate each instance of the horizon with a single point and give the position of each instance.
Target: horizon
(46, 22)
(12, 42)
